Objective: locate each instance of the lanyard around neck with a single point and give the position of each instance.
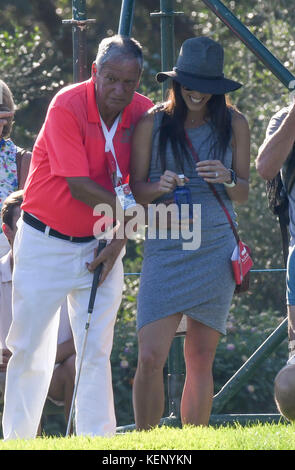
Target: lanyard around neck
(109, 146)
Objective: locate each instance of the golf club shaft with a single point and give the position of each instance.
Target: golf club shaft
(95, 281)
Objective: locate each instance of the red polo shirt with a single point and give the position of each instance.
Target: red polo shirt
(70, 144)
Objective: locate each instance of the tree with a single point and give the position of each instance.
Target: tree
(49, 46)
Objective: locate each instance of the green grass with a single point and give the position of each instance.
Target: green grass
(236, 437)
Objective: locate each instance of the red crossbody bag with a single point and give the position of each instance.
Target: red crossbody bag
(241, 258)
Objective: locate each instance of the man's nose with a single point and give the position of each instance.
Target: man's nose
(119, 88)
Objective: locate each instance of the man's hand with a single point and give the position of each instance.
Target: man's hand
(107, 257)
(5, 355)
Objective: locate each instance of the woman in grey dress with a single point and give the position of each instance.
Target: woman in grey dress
(175, 281)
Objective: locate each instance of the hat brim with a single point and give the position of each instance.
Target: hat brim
(214, 86)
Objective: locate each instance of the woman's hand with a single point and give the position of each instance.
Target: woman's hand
(3, 119)
(168, 182)
(213, 171)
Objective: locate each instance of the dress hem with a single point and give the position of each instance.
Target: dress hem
(204, 322)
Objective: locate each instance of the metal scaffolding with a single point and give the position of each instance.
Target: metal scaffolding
(166, 16)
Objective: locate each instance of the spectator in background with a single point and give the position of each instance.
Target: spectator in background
(62, 382)
(285, 390)
(14, 161)
(276, 155)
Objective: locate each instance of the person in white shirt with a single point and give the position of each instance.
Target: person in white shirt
(63, 378)
(14, 161)
(275, 155)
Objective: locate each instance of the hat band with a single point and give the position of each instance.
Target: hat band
(193, 75)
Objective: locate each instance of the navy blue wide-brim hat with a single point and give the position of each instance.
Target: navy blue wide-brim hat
(200, 67)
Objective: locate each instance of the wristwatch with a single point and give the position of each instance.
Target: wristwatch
(233, 180)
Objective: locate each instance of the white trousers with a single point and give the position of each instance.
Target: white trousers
(4, 245)
(2, 386)
(48, 270)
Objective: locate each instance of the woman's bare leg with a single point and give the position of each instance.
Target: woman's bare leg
(154, 341)
(199, 352)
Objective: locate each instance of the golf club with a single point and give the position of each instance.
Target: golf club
(95, 281)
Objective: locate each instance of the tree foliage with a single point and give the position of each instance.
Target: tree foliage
(36, 60)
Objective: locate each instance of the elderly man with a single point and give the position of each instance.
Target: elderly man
(79, 159)
(277, 154)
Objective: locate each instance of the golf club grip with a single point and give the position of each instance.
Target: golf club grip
(96, 276)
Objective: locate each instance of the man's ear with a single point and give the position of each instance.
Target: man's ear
(93, 72)
(7, 231)
(138, 83)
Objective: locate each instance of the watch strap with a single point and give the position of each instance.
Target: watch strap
(233, 179)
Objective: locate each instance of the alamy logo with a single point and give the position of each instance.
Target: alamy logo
(154, 221)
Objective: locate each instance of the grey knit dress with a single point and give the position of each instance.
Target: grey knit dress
(198, 283)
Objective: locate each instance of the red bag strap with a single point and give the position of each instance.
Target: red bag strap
(213, 189)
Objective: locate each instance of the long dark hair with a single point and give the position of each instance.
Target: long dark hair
(172, 126)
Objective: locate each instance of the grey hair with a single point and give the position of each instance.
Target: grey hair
(117, 45)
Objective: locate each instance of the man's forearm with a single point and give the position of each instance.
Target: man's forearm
(88, 191)
(274, 151)
(291, 329)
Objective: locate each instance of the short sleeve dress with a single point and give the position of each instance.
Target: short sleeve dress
(198, 283)
(8, 169)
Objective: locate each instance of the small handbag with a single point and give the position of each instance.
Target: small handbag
(241, 264)
(241, 257)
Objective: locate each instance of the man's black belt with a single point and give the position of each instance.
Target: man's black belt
(38, 225)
